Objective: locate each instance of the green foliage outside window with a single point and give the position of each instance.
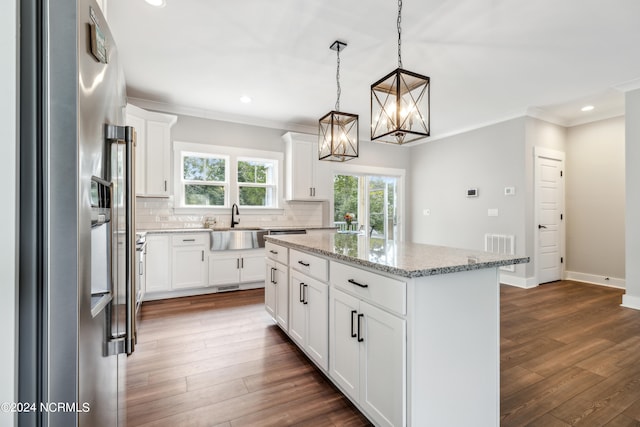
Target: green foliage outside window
(345, 190)
(203, 169)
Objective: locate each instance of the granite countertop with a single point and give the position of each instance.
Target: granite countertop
(398, 258)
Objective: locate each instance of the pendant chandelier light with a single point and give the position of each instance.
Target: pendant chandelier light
(338, 135)
(400, 110)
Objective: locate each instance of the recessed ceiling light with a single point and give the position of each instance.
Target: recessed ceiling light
(245, 99)
(157, 3)
(588, 108)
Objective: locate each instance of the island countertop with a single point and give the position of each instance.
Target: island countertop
(404, 259)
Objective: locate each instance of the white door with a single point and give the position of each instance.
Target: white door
(190, 267)
(298, 308)
(382, 366)
(549, 214)
(343, 342)
(224, 268)
(282, 295)
(317, 298)
(158, 263)
(252, 264)
(270, 288)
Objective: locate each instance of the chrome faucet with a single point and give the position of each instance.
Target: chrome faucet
(234, 212)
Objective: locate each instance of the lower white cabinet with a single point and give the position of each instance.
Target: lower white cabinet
(190, 267)
(308, 316)
(158, 263)
(233, 267)
(277, 292)
(368, 357)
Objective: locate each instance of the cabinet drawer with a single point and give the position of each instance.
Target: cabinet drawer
(310, 264)
(190, 239)
(381, 290)
(277, 253)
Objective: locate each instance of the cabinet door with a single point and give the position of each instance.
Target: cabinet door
(298, 308)
(282, 295)
(224, 268)
(343, 343)
(158, 158)
(252, 264)
(301, 179)
(382, 366)
(189, 267)
(141, 152)
(158, 260)
(317, 344)
(270, 288)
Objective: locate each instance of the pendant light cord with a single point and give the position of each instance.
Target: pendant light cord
(399, 34)
(338, 80)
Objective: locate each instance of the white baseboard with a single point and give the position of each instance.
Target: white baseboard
(612, 282)
(631, 301)
(520, 282)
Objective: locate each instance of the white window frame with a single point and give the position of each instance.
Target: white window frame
(272, 184)
(224, 184)
(234, 154)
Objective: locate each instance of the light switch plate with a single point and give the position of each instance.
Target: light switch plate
(492, 212)
(426, 212)
(509, 191)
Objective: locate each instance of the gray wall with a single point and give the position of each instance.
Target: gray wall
(8, 217)
(632, 179)
(441, 171)
(595, 198)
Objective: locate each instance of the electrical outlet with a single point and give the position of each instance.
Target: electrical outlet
(492, 212)
(426, 212)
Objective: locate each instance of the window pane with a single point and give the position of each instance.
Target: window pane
(255, 196)
(257, 172)
(203, 169)
(345, 191)
(203, 195)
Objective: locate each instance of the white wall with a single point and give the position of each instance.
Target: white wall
(632, 179)
(441, 171)
(8, 217)
(595, 201)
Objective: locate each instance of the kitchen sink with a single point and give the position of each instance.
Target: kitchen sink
(235, 239)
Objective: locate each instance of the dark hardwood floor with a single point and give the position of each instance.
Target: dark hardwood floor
(570, 355)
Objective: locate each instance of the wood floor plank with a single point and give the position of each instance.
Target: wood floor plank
(569, 354)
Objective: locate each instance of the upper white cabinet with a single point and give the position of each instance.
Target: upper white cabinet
(307, 178)
(153, 150)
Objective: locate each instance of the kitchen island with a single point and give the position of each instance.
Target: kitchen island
(408, 332)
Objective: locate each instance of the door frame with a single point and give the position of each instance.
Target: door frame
(559, 156)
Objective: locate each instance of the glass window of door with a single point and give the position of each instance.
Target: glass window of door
(366, 204)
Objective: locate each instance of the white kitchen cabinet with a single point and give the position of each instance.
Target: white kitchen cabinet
(153, 151)
(306, 177)
(368, 357)
(190, 268)
(308, 316)
(158, 263)
(235, 267)
(277, 288)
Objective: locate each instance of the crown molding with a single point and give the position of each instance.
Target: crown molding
(628, 85)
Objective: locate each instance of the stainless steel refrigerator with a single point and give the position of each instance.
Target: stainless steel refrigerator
(77, 237)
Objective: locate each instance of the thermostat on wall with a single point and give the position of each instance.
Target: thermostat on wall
(472, 192)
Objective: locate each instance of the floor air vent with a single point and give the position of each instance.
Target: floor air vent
(228, 288)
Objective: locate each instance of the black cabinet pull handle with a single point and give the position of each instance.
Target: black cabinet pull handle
(202, 255)
(357, 284)
(274, 252)
(352, 313)
(301, 297)
(360, 316)
(241, 262)
(304, 263)
(305, 300)
(272, 279)
(188, 240)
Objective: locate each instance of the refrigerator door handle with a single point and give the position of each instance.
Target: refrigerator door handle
(125, 342)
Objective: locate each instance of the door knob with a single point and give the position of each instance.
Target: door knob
(541, 226)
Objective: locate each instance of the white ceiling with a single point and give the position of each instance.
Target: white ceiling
(489, 60)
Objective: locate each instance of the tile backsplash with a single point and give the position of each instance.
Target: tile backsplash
(159, 213)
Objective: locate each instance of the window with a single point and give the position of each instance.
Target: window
(256, 182)
(211, 176)
(204, 179)
(366, 203)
